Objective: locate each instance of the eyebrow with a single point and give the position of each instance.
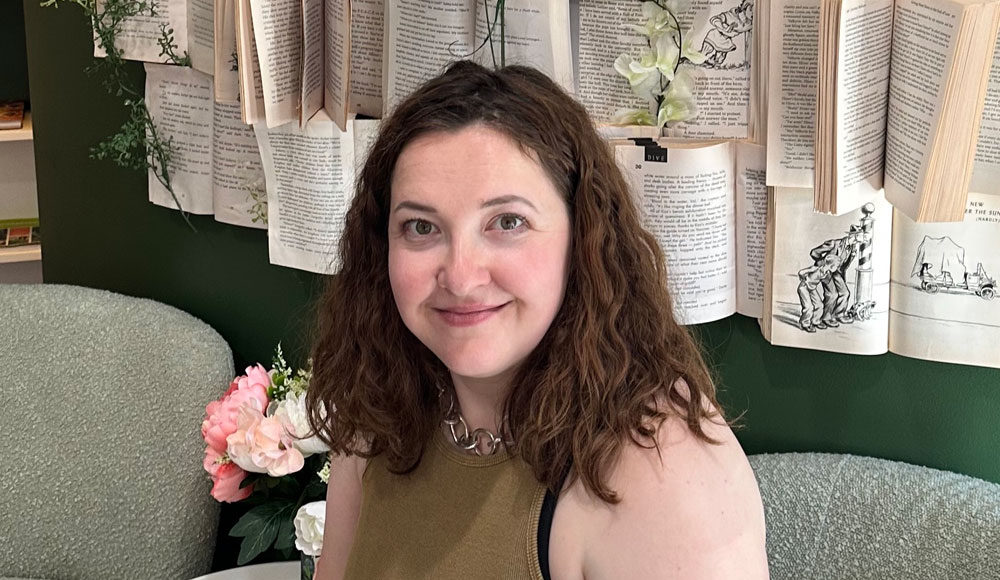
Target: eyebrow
(508, 199)
(500, 200)
(415, 206)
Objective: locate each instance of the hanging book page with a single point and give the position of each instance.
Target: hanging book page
(310, 184)
(180, 102)
(215, 166)
(189, 23)
(828, 284)
(944, 287)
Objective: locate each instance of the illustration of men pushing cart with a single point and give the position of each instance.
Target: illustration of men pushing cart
(824, 293)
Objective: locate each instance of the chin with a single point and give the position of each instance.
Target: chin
(483, 365)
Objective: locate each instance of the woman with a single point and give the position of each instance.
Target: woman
(512, 396)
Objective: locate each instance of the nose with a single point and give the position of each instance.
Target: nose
(464, 268)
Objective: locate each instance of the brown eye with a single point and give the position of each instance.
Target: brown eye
(417, 228)
(509, 222)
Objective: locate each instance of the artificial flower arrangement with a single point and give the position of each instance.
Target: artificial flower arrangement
(260, 450)
(656, 76)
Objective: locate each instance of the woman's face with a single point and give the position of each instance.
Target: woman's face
(479, 242)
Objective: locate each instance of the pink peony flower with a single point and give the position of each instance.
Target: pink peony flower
(220, 420)
(226, 477)
(261, 444)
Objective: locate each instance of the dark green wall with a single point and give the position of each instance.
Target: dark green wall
(942, 415)
(101, 231)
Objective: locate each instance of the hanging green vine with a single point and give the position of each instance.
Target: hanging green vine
(499, 12)
(137, 144)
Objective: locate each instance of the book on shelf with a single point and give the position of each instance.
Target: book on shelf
(19, 232)
(216, 167)
(873, 280)
(706, 204)
(720, 29)
(896, 94)
(11, 114)
(189, 22)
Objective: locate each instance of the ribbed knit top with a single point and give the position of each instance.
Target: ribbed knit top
(455, 516)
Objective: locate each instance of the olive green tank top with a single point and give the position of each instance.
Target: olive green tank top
(455, 516)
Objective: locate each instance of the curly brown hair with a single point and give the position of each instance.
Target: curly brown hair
(613, 353)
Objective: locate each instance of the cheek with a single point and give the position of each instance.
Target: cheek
(407, 279)
(540, 275)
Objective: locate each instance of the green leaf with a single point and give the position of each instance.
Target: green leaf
(259, 528)
(286, 533)
(257, 518)
(284, 486)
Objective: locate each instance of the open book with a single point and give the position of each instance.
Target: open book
(866, 94)
(423, 36)
(310, 174)
(216, 167)
(364, 56)
(297, 53)
(874, 280)
(721, 30)
(706, 205)
(331, 62)
(192, 26)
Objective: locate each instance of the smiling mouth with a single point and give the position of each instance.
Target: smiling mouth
(469, 316)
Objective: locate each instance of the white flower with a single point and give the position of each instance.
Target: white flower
(291, 412)
(657, 20)
(682, 87)
(309, 522)
(641, 74)
(632, 117)
(675, 110)
(688, 51)
(324, 474)
(644, 75)
(667, 54)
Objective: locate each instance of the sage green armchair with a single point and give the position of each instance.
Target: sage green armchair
(100, 464)
(844, 517)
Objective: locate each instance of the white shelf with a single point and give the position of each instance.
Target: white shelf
(31, 253)
(23, 134)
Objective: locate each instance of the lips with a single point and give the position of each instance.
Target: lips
(469, 315)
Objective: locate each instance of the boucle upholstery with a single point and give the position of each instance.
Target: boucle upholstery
(100, 472)
(848, 517)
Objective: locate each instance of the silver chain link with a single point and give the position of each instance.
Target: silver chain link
(476, 440)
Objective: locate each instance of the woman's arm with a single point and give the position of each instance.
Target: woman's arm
(343, 505)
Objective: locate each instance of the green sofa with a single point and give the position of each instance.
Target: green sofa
(101, 463)
(844, 517)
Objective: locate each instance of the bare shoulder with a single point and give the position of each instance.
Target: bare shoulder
(691, 511)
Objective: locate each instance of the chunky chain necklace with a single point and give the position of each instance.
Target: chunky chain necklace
(481, 441)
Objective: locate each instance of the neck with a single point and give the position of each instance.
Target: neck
(481, 400)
